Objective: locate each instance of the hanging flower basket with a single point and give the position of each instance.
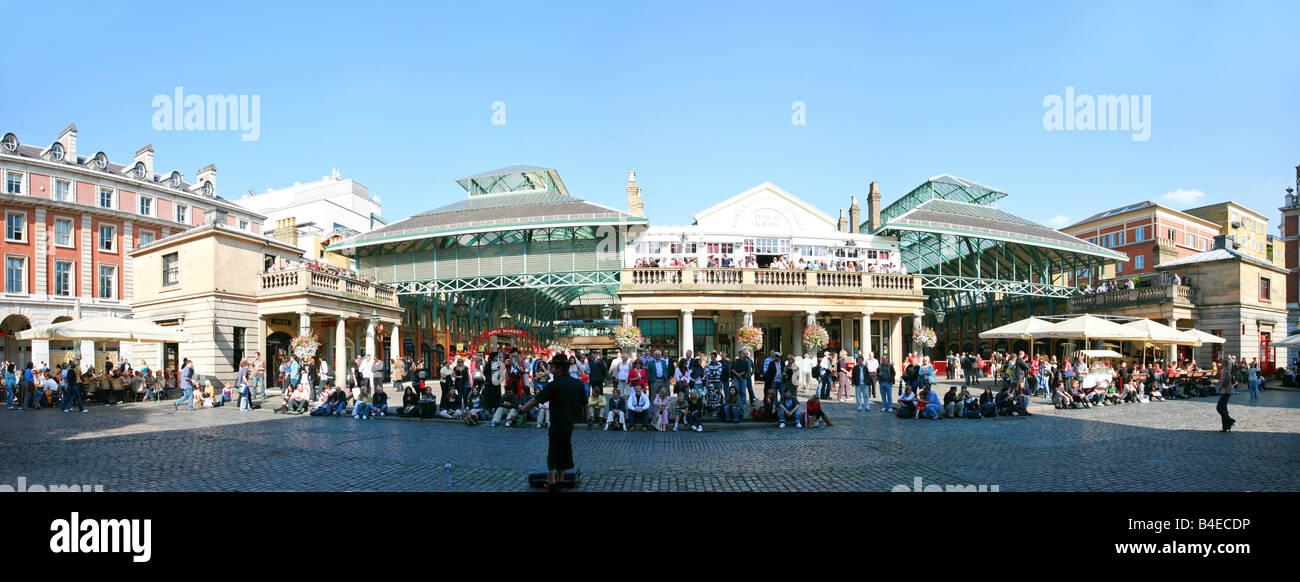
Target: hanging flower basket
(751, 337)
(305, 346)
(627, 337)
(815, 338)
(925, 337)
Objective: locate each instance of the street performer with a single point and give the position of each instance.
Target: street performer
(568, 405)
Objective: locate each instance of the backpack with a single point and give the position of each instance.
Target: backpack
(817, 371)
(989, 409)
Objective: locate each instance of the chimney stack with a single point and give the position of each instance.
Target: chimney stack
(69, 140)
(873, 202)
(855, 216)
(634, 205)
(844, 222)
(145, 154)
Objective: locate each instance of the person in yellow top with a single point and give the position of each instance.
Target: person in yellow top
(596, 404)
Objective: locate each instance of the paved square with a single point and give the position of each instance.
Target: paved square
(1170, 446)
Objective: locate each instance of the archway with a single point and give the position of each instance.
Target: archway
(277, 347)
(18, 352)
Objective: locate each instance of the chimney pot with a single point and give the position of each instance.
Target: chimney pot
(635, 206)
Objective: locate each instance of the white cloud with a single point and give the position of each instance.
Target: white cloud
(1058, 221)
(1181, 196)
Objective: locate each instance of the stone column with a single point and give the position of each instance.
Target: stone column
(628, 319)
(896, 343)
(796, 335)
(304, 323)
(370, 337)
(687, 334)
(395, 351)
(1171, 350)
(866, 333)
(261, 349)
(846, 334)
(748, 317)
(340, 351)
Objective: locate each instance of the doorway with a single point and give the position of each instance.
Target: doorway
(171, 360)
(277, 348)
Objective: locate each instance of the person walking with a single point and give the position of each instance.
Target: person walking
(259, 374)
(1226, 381)
(186, 385)
(73, 390)
(568, 406)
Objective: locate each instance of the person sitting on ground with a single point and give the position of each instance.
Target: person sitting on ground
(815, 413)
(509, 401)
(450, 405)
(662, 404)
(337, 402)
(362, 408)
(411, 400)
(788, 408)
(596, 401)
(732, 409)
(1078, 399)
(379, 402)
(679, 409)
(617, 404)
(1061, 397)
(298, 400)
(927, 404)
(907, 404)
(767, 411)
(474, 409)
(694, 411)
(952, 402)
(638, 406)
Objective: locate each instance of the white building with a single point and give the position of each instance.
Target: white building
(322, 208)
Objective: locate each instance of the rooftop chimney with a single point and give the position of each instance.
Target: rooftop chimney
(1225, 241)
(145, 154)
(634, 205)
(855, 215)
(873, 203)
(844, 222)
(69, 140)
(286, 230)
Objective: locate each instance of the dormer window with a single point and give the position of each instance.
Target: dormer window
(56, 152)
(138, 170)
(99, 162)
(10, 143)
(175, 180)
(207, 189)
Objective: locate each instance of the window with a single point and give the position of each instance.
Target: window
(1171, 235)
(63, 278)
(1264, 291)
(768, 246)
(1205, 244)
(63, 190)
(146, 237)
(182, 214)
(1191, 240)
(1119, 268)
(243, 225)
(146, 206)
(16, 226)
(1120, 237)
(15, 274)
(63, 232)
(171, 269)
(1139, 234)
(1139, 262)
(107, 281)
(106, 198)
(107, 238)
(13, 182)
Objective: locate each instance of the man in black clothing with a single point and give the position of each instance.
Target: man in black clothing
(596, 374)
(568, 406)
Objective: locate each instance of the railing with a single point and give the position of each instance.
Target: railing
(1159, 294)
(309, 281)
(770, 280)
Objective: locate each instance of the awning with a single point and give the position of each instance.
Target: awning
(106, 329)
(1098, 354)
(1159, 333)
(1088, 327)
(1015, 330)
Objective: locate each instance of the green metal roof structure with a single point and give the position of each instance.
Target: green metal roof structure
(519, 241)
(973, 255)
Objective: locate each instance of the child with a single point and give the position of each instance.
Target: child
(596, 405)
(544, 415)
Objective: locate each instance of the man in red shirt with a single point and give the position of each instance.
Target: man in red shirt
(814, 411)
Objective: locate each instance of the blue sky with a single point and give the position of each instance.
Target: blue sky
(696, 97)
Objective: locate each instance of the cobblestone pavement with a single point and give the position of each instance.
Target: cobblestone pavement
(1170, 446)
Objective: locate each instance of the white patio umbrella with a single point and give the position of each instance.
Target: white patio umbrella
(1160, 334)
(1207, 338)
(1016, 329)
(1288, 341)
(104, 329)
(1088, 327)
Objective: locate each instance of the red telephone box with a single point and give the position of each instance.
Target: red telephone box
(1266, 353)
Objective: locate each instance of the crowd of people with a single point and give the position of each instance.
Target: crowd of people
(780, 262)
(292, 265)
(1129, 283)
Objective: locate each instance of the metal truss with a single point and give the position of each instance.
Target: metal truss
(519, 281)
(955, 283)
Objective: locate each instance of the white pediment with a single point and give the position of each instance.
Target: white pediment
(766, 209)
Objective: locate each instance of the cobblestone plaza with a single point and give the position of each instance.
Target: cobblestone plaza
(1170, 446)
